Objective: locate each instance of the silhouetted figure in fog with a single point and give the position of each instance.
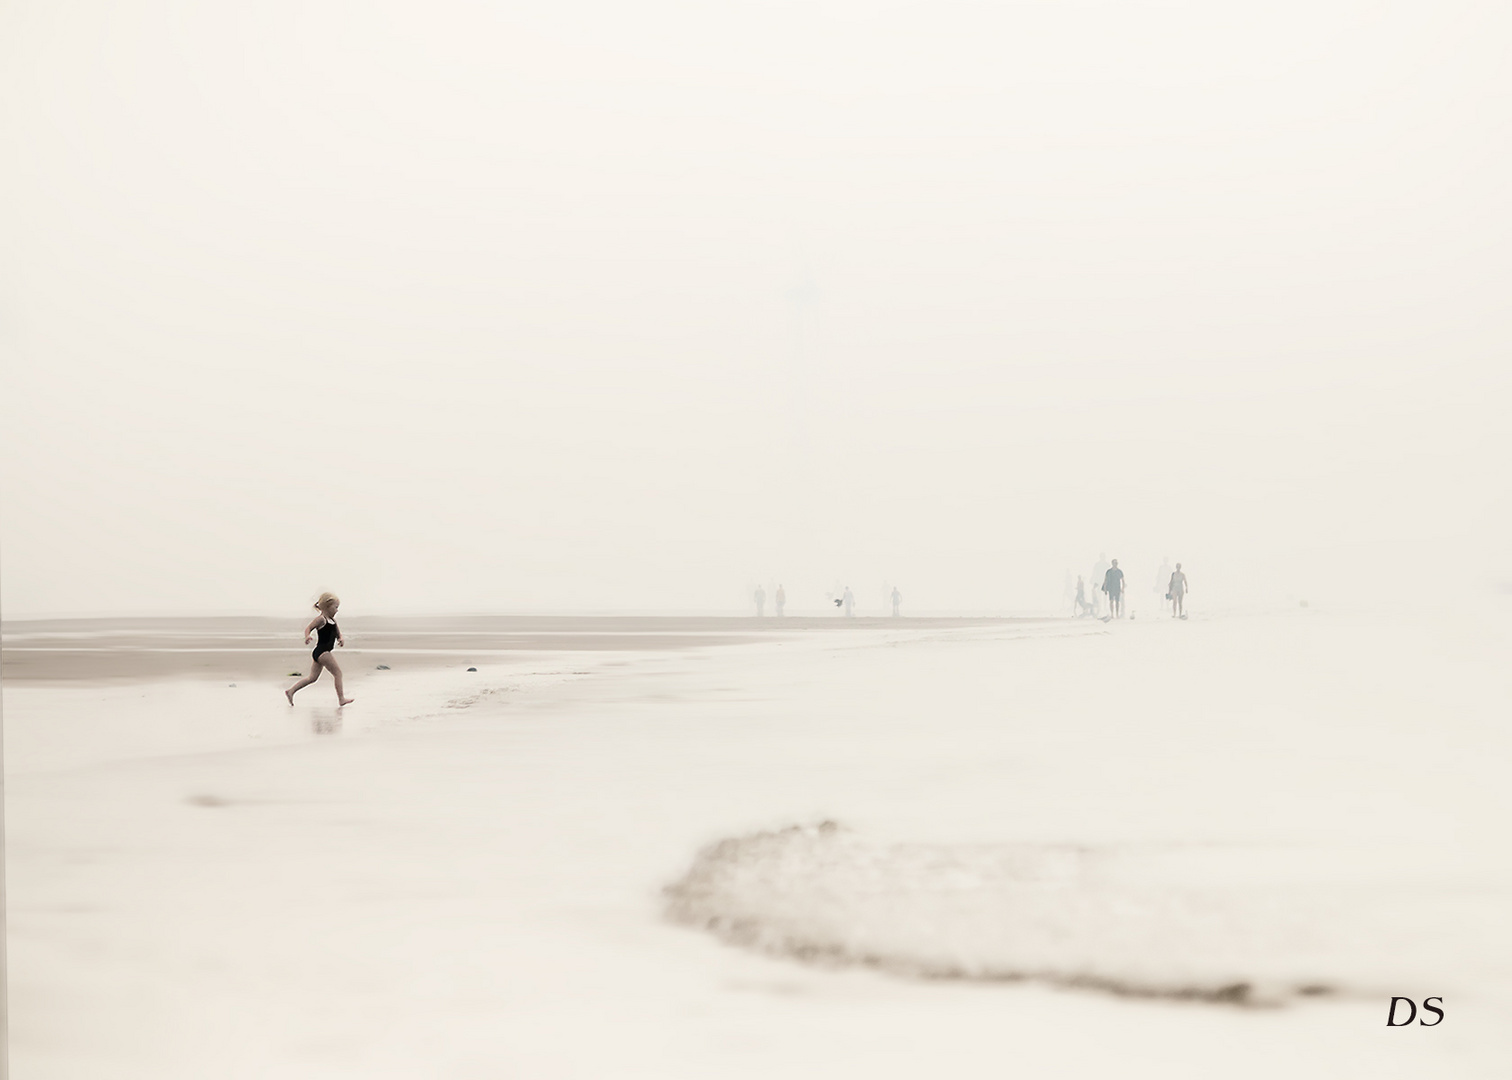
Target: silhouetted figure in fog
(1113, 585)
(1163, 575)
(760, 601)
(1099, 573)
(897, 598)
(1176, 593)
(781, 599)
(848, 602)
(1082, 607)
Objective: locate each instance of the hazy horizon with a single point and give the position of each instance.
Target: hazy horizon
(602, 309)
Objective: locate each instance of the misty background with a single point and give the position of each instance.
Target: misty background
(594, 307)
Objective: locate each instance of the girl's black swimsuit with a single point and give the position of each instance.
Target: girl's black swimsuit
(327, 640)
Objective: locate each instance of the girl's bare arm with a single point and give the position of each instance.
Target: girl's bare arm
(314, 623)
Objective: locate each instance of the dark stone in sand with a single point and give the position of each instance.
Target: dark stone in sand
(383, 667)
(472, 669)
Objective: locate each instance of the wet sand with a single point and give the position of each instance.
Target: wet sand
(1057, 844)
(61, 651)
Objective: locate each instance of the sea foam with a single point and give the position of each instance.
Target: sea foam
(1184, 923)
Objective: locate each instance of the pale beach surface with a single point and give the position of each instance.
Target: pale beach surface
(699, 848)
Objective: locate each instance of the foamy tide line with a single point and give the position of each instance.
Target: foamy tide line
(1129, 922)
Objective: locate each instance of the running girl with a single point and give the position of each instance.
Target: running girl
(330, 637)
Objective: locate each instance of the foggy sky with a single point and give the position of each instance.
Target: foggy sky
(630, 306)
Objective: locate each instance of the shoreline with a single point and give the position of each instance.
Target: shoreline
(74, 651)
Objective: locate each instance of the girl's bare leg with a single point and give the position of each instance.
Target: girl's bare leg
(304, 682)
(329, 661)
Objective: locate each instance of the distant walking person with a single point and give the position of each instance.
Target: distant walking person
(1163, 575)
(1082, 606)
(781, 599)
(848, 602)
(330, 637)
(1176, 594)
(760, 601)
(1113, 586)
(897, 598)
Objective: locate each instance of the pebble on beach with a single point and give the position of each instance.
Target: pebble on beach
(472, 669)
(383, 667)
